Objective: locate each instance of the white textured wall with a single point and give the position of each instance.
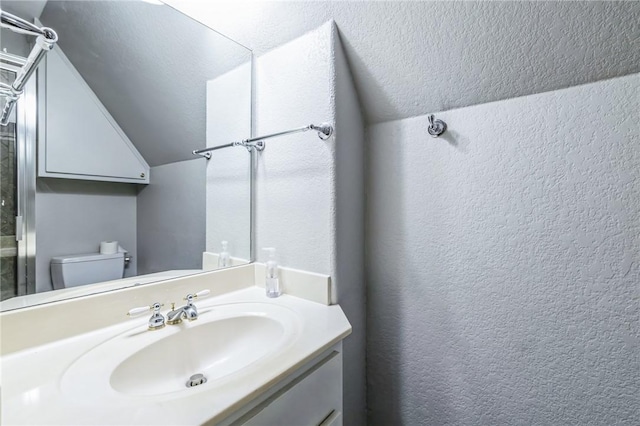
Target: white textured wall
(503, 263)
(412, 57)
(294, 86)
(309, 192)
(228, 181)
(348, 279)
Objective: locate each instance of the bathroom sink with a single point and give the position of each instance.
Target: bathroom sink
(213, 349)
(225, 343)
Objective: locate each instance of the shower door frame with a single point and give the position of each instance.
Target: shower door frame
(26, 122)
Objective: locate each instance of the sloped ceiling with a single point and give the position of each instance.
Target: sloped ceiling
(148, 64)
(412, 58)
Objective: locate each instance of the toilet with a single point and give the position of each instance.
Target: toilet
(81, 269)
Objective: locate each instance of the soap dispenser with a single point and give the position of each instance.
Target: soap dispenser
(271, 280)
(224, 259)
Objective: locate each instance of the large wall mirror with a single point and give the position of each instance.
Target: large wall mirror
(100, 186)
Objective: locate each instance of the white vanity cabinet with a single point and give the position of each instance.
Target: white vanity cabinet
(268, 361)
(311, 396)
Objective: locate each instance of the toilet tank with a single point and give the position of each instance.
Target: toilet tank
(80, 269)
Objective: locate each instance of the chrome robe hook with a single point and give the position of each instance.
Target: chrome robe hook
(436, 127)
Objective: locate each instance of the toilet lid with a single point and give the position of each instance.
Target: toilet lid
(88, 257)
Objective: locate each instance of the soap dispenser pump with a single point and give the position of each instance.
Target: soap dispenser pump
(224, 260)
(271, 279)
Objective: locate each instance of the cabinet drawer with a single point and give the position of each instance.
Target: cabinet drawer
(314, 398)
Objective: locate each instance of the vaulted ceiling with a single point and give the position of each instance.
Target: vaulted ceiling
(412, 58)
(147, 64)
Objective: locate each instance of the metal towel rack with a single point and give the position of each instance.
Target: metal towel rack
(325, 130)
(46, 39)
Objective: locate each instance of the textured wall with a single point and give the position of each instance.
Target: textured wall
(309, 190)
(503, 263)
(171, 218)
(412, 57)
(294, 178)
(348, 278)
(73, 216)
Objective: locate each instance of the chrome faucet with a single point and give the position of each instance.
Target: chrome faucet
(188, 311)
(156, 322)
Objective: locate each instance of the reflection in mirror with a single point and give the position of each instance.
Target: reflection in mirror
(100, 189)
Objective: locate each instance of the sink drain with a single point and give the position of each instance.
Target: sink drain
(195, 380)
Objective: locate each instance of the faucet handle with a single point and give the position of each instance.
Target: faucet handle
(156, 321)
(142, 309)
(201, 293)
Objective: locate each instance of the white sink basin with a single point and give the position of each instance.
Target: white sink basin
(214, 349)
(225, 343)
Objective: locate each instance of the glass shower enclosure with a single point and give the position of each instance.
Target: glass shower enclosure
(17, 188)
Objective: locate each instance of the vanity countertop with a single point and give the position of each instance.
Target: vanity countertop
(36, 388)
